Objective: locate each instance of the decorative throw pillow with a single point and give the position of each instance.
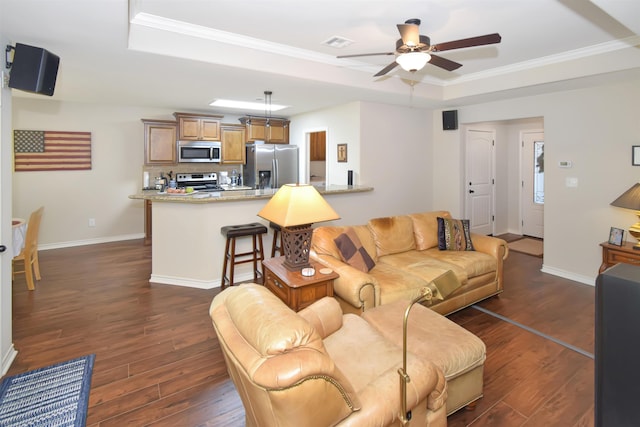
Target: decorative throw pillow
(352, 251)
(454, 235)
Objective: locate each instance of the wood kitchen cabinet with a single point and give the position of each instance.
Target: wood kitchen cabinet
(198, 127)
(233, 144)
(159, 142)
(147, 222)
(318, 146)
(257, 130)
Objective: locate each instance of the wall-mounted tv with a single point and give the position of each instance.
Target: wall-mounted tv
(33, 69)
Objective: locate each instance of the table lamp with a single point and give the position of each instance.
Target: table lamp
(630, 199)
(295, 207)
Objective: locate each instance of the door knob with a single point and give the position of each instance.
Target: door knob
(471, 191)
(3, 248)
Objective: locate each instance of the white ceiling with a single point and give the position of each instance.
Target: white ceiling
(183, 54)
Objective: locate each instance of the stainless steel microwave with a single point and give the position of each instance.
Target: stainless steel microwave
(199, 151)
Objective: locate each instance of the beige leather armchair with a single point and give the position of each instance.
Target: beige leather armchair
(318, 367)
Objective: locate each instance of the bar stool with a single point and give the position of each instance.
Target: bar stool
(231, 233)
(276, 245)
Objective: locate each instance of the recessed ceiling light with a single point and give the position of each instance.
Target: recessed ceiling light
(337, 42)
(246, 105)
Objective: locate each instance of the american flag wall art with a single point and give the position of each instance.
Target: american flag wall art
(36, 150)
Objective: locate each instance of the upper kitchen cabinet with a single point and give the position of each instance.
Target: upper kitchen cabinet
(159, 142)
(276, 132)
(198, 127)
(318, 146)
(233, 144)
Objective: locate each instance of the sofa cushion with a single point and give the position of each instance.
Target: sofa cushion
(425, 228)
(425, 266)
(392, 234)
(454, 234)
(322, 241)
(352, 252)
(474, 263)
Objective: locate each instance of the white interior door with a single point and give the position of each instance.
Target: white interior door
(479, 180)
(532, 199)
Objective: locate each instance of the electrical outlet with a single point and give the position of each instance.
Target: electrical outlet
(92, 222)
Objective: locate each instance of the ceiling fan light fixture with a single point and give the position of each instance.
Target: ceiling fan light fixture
(413, 61)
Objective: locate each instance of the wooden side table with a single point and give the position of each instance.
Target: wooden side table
(296, 290)
(613, 254)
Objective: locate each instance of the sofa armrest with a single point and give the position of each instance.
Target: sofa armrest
(359, 289)
(493, 246)
(325, 315)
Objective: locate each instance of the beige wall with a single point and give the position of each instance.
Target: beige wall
(402, 152)
(396, 158)
(70, 198)
(595, 129)
(388, 149)
(7, 351)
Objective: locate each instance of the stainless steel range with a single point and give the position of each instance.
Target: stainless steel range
(202, 182)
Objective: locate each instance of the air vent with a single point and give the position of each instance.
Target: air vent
(337, 42)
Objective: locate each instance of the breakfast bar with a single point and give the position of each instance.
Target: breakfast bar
(187, 247)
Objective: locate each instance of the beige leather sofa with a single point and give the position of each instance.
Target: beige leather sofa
(406, 256)
(318, 367)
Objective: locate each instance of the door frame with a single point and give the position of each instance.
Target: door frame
(465, 184)
(521, 177)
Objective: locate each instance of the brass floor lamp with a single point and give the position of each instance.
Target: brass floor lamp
(439, 288)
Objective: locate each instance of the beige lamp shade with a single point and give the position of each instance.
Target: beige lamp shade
(630, 199)
(297, 204)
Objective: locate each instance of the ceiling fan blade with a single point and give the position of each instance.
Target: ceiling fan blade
(386, 69)
(445, 63)
(472, 41)
(365, 54)
(410, 34)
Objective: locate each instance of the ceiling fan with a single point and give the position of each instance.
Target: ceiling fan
(414, 50)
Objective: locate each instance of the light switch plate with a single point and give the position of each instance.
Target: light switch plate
(571, 182)
(564, 164)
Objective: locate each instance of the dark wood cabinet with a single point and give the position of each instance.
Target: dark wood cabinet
(612, 255)
(318, 146)
(147, 222)
(296, 290)
(275, 131)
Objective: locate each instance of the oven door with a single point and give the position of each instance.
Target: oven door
(199, 152)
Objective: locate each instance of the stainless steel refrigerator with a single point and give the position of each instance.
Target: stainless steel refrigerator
(270, 165)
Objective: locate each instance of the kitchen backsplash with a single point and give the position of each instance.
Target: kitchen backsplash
(154, 171)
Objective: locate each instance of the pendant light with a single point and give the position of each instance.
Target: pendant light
(267, 107)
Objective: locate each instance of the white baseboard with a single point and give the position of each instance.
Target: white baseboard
(73, 243)
(8, 358)
(591, 281)
(199, 284)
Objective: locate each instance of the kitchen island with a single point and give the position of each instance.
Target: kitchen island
(187, 247)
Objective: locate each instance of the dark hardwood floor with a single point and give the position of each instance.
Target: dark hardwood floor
(158, 362)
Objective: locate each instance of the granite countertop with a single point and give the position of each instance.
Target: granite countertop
(237, 195)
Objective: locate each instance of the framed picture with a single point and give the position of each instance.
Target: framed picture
(635, 155)
(615, 236)
(342, 153)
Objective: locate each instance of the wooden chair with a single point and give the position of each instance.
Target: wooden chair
(29, 253)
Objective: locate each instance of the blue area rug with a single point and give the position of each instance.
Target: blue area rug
(57, 395)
